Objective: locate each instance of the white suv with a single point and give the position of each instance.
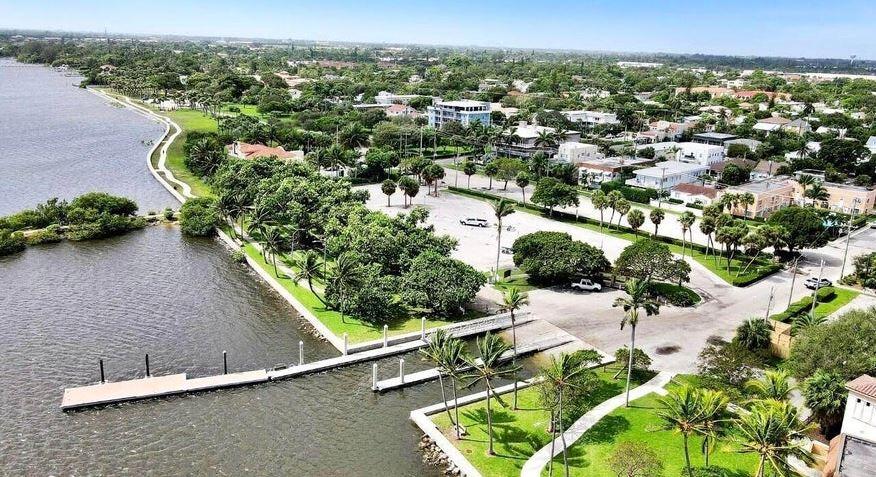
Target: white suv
(473, 222)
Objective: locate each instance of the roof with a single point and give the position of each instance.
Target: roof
(464, 103)
(738, 161)
(767, 185)
(696, 189)
(775, 120)
(751, 143)
(667, 168)
(400, 109)
(715, 135)
(871, 141)
(768, 167)
(253, 151)
(864, 384)
(858, 458)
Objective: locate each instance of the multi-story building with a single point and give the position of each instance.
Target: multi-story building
(385, 97)
(463, 111)
(853, 452)
(666, 175)
(769, 196)
(591, 118)
(697, 153)
(577, 152)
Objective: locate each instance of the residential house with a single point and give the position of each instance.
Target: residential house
(598, 170)
(717, 168)
(713, 91)
(659, 131)
(385, 97)
(508, 112)
(703, 154)
(528, 139)
(766, 170)
(770, 195)
(668, 174)
(843, 197)
(577, 152)
(690, 193)
(487, 84)
(591, 118)
(771, 124)
(750, 94)
(797, 126)
(463, 111)
(812, 147)
(244, 150)
(662, 150)
(853, 452)
(871, 144)
(398, 109)
(751, 144)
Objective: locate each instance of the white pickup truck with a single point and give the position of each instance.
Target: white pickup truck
(586, 284)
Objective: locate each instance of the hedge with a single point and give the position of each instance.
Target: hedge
(803, 305)
(634, 194)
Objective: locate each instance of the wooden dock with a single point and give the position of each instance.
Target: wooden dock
(432, 374)
(159, 386)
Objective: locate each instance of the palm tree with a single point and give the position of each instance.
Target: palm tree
(545, 139)
(469, 169)
(522, 180)
(713, 405)
(656, 217)
(273, 240)
(623, 206)
(513, 300)
(501, 209)
(600, 202)
(612, 199)
(636, 219)
(825, 394)
(686, 220)
(683, 411)
(489, 367)
(453, 361)
(345, 274)
(773, 431)
(806, 322)
(637, 299)
(560, 376)
(746, 200)
(225, 209)
(805, 180)
(708, 225)
(773, 385)
(818, 193)
(310, 268)
(434, 351)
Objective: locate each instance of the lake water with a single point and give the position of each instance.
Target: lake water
(181, 300)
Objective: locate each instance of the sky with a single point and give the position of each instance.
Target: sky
(836, 29)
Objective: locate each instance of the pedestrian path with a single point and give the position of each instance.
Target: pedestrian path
(533, 467)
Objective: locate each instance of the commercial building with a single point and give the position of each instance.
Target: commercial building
(845, 198)
(464, 111)
(666, 175)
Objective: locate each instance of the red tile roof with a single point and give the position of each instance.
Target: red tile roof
(253, 151)
(864, 384)
(695, 189)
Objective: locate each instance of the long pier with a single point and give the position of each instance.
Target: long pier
(159, 386)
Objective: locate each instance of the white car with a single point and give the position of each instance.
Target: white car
(812, 283)
(474, 222)
(586, 284)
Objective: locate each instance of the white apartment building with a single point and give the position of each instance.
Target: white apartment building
(698, 153)
(577, 152)
(590, 118)
(668, 174)
(463, 111)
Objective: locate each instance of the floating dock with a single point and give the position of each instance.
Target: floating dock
(159, 386)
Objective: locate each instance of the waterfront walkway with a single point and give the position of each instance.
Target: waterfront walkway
(533, 467)
(158, 386)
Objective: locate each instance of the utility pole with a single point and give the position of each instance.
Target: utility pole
(817, 287)
(849, 236)
(769, 303)
(793, 279)
(662, 183)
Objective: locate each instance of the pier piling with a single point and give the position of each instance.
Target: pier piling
(102, 378)
(300, 353)
(385, 338)
(374, 376)
(147, 365)
(224, 362)
(401, 370)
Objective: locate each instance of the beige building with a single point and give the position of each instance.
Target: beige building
(769, 196)
(843, 197)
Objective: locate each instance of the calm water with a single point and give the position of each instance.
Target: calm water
(181, 300)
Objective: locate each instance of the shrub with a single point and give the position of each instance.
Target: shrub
(633, 194)
(641, 360)
(105, 225)
(168, 214)
(846, 346)
(635, 459)
(238, 256)
(11, 242)
(728, 364)
(198, 217)
(754, 334)
(674, 294)
(440, 283)
(49, 235)
(553, 257)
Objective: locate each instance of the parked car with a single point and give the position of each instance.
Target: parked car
(474, 222)
(812, 283)
(585, 284)
(508, 250)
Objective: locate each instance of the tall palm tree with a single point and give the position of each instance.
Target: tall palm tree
(600, 203)
(434, 351)
(818, 193)
(773, 431)
(488, 368)
(637, 299)
(453, 361)
(746, 200)
(560, 377)
(686, 220)
(805, 180)
(310, 268)
(683, 411)
(346, 274)
(714, 414)
(273, 241)
(773, 385)
(513, 300)
(501, 209)
(656, 217)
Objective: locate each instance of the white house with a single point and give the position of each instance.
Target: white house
(853, 452)
(385, 97)
(576, 152)
(668, 174)
(694, 193)
(871, 144)
(599, 170)
(698, 153)
(463, 111)
(529, 133)
(590, 118)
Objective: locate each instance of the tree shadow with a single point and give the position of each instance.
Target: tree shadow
(606, 430)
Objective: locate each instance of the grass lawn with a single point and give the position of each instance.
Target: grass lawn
(189, 120)
(517, 434)
(246, 109)
(761, 267)
(841, 298)
(518, 279)
(640, 423)
(357, 331)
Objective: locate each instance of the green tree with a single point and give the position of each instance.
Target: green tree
(636, 219)
(825, 394)
(345, 274)
(435, 351)
(409, 188)
(513, 300)
(272, 244)
(803, 227)
(469, 168)
(388, 187)
(773, 431)
(552, 193)
(440, 283)
(713, 406)
(553, 257)
(754, 333)
(309, 267)
(522, 181)
(600, 203)
(656, 217)
(198, 217)
(489, 368)
(636, 299)
(560, 378)
(648, 260)
(635, 459)
(490, 170)
(772, 385)
(686, 220)
(846, 346)
(682, 410)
